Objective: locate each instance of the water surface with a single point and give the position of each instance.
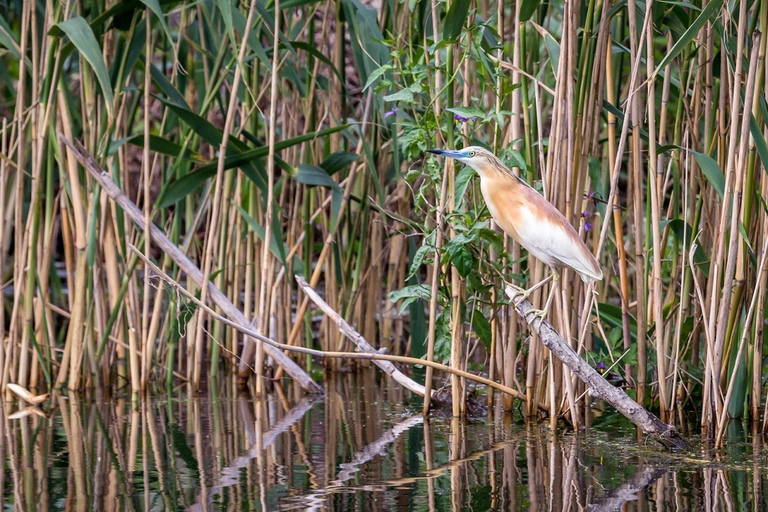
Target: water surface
(362, 447)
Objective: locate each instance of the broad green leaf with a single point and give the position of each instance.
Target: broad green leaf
(225, 8)
(312, 50)
(154, 6)
(467, 112)
(528, 8)
(419, 256)
(460, 254)
(162, 82)
(315, 176)
(455, 18)
(684, 234)
(463, 179)
(420, 291)
(686, 5)
(199, 124)
(159, 145)
(705, 16)
(238, 158)
(337, 161)
(238, 20)
(760, 144)
(611, 315)
(8, 39)
(482, 327)
(235, 160)
(615, 336)
(494, 238)
(410, 294)
(375, 74)
(745, 237)
(403, 95)
(365, 38)
(82, 37)
(518, 160)
(294, 4)
(712, 172)
(276, 245)
(552, 47)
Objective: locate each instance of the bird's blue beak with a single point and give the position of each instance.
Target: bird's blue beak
(450, 153)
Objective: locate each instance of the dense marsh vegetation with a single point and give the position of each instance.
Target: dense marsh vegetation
(304, 123)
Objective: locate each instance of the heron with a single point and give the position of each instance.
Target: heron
(532, 221)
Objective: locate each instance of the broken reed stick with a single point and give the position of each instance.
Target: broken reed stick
(374, 356)
(387, 366)
(185, 264)
(597, 385)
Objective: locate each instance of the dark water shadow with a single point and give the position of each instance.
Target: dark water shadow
(363, 447)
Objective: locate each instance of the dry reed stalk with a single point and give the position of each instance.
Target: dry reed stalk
(638, 202)
(757, 354)
(146, 172)
(732, 196)
(218, 202)
(239, 269)
(743, 342)
(4, 178)
(654, 191)
(443, 200)
(266, 259)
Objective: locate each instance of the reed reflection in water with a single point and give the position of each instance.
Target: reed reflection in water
(362, 447)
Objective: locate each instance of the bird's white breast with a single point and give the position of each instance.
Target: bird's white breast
(546, 235)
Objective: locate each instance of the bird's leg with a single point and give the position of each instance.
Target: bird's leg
(527, 293)
(542, 313)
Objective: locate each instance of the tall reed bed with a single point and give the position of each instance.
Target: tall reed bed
(645, 123)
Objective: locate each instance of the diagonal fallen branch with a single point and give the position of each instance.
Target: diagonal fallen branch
(384, 362)
(185, 264)
(374, 356)
(598, 386)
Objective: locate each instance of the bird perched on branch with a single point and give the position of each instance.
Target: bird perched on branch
(528, 218)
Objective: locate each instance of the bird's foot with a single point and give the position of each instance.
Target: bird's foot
(523, 294)
(533, 314)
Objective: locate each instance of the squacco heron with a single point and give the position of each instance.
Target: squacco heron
(529, 219)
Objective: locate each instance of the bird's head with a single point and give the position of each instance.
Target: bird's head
(479, 158)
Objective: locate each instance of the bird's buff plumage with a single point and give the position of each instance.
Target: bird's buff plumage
(526, 216)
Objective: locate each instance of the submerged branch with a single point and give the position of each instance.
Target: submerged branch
(598, 386)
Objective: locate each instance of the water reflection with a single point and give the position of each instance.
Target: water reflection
(362, 447)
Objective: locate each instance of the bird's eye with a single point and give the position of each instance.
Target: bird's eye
(471, 154)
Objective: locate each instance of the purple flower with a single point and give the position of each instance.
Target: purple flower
(592, 196)
(586, 215)
(391, 112)
(463, 119)
(600, 367)
(587, 226)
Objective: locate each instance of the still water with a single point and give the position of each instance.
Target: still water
(363, 447)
